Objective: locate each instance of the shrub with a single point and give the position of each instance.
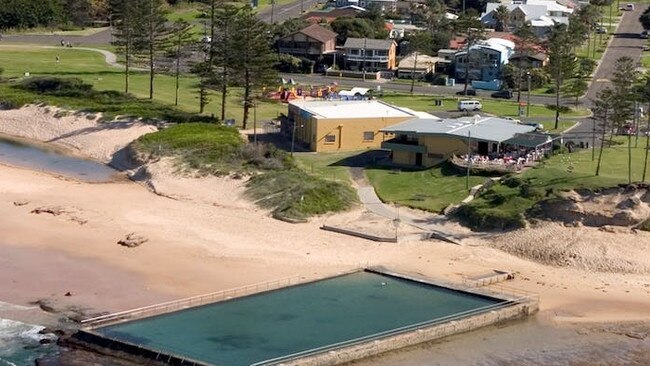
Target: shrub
(511, 181)
(479, 218)
(528, 191)
(67, 87)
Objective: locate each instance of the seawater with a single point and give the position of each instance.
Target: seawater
(251, 329)
(20, 343)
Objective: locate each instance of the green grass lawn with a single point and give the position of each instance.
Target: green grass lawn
(431, 189)
(549, 125)
(91, 67)
(491, 106)
(324, 164)
(645, 59)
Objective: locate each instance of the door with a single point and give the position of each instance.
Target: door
(482, 148)
(418, 159)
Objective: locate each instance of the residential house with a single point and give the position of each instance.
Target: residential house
(539, 13)
(485, 61)
(417, 65)
(311, 42)
(426, 142)
(397, 30)
(370, 54)
(341, 125)
(531, 61)
(387, 6)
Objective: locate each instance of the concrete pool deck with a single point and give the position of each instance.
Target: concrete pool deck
(512, 305)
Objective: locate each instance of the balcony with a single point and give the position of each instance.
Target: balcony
(360, 58)
(403, 145)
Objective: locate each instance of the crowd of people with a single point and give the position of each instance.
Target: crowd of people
(514, 159)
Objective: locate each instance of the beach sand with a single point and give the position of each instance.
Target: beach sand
(204, 237)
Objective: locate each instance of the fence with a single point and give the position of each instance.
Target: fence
(174, 305)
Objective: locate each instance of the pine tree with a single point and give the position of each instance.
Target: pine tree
(561, 61)
(182, 36)
(625, 75)
(224, 54)
(156, 34)
(127, 32)
(602, 110)
(254, 68)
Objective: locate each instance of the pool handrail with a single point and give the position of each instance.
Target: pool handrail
(192, 300)
(396, 331)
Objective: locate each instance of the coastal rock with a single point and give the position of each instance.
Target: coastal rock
(21, 203)
(52, 210)
(132, 240)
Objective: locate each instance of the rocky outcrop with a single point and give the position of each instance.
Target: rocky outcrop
(627, 206)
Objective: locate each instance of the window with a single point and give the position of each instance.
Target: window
(354, 51)
(381, 53)
(329, 139)
(368, 136)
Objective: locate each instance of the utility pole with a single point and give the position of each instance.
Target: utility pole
(469, 157)
(528, 97)
(272, 10)
(363, 69)
(593, 139)
(302, 6)
(254, 121)
(293, 136)
(415, 65)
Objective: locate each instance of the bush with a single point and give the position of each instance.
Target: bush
(479, 218)
(67, 87)
(528, 191)
(439, 79)
(511, 181)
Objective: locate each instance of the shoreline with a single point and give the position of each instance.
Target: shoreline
(203, 236)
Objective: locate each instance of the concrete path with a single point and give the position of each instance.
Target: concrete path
(431, 224)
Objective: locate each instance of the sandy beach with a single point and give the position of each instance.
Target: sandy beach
(203, 237)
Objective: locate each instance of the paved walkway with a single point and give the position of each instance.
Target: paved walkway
(431, 223)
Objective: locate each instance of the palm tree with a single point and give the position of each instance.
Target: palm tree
(502, 17)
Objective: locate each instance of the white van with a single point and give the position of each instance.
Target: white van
(469, 105)
(627, 7)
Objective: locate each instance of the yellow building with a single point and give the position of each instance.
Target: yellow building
(426, 142)
(342, 125)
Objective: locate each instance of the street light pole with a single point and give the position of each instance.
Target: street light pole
(528, 97)
(469, 157)
(302, 6)
(293, 137)
(272, 10)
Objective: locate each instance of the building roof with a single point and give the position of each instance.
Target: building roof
(350, 109)
(535, 56)
(369, 43)
(482, 128)
(318, 33)
(529, 139)
(423, 61)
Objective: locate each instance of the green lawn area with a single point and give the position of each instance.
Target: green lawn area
(645, 59)
(431, 189)
(323, 164)
(496, 107)
(91, 67)
(549, 125)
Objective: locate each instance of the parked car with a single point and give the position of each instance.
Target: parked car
(627, 7)
(469, 105)
(512, 119)
(644, 35)
(469, 92)
(538, 126)
(601, 30)
(505, 94)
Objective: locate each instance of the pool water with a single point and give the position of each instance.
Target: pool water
(34, 157)
(260, 327)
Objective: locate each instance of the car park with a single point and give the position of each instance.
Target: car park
(469, 92)
(504, 94)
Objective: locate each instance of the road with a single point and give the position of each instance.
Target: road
(280, 13)
(100, 38)
(316, 79)
(626, 42)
